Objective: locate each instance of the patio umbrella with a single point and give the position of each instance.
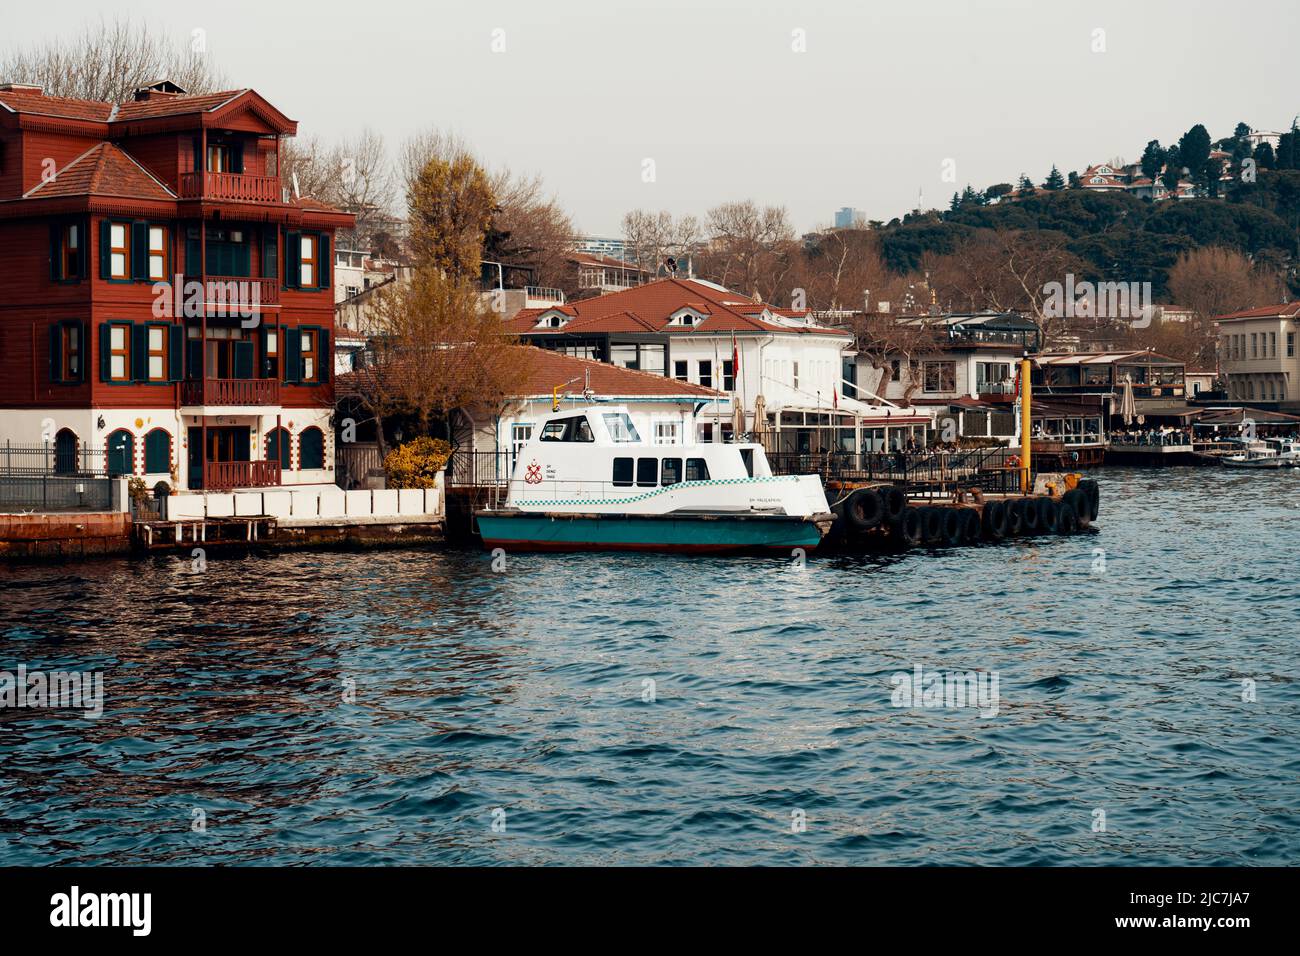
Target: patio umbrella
(1127, 404)
(737, 418)
(760, 418)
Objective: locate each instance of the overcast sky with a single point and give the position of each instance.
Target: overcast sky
(715, 94)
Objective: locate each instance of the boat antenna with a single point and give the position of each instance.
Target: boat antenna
(587, 393)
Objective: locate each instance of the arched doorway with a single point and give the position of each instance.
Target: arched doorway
(65, 452)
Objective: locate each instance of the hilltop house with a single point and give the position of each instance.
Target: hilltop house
(171, 304)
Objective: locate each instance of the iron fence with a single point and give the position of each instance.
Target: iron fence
(55, 493)
(478, 469)
(53, 458)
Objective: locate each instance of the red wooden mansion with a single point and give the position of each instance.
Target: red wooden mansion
(168, 301)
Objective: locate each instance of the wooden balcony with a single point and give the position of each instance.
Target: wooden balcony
(231, 391)
(231, 187)
(226, 299)
(224, 475)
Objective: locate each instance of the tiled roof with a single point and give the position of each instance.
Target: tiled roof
(178, 105)
(103, 170)
(1287, 310)
(36, 103)
(655, 303)
(30, 101)
(542, 370)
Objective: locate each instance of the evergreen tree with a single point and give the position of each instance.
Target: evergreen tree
(1054, 179)
(1194, 148)
(1025, 186)
(1173, 170)
(1264, 156)
(1153, 159)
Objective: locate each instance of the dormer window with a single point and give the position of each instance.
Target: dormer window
(552, 320)
(686, 317)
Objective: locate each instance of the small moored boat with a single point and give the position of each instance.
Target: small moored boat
(1255, 454)
(586, 481)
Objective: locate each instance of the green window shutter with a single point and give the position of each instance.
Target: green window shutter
(56, 353)
(293, 260)
(243, 255)
(326, 357)
(323, 273)
(237, 158)
(193, 359)
(244, 358)
(139, 250)
(139, 335)
(105, 249)
(83, 356)
(175, 352)
(157, 452)
(193, 256)
(270, 253)
(56, 252)
(105, 358)
(292, 356)
(198, 155)
(83, 247)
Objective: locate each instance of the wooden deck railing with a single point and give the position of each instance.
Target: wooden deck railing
(224, 475)
(231, 187)
(231, 391)
(237, 298)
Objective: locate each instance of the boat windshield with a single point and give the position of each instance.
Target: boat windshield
(620, 428)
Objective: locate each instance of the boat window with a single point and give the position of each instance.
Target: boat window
(697, 469)
(747, 456)
(568, 429)
(671, 472)
(620, 427)
(622, 472)
(647, 472)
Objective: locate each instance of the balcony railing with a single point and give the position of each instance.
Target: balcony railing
(224, 475)
(231, 391)
(231, 187)
(237, 295)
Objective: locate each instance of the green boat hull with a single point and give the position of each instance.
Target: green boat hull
(710, 534)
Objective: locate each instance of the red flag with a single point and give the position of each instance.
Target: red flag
(735, 361)
(835, 396)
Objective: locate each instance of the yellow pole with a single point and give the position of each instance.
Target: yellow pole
(1025, 426)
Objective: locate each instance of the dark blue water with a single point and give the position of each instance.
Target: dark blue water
(523, 692)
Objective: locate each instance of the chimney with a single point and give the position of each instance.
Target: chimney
(22, 88)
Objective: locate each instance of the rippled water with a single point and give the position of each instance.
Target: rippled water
(524, 691)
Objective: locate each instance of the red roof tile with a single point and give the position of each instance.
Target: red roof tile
(178, 105)
(103, 170)
(1287, 310)
(29, 101)
(543, 370)
(656, 302)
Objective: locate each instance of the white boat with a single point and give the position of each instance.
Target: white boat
(587, 481)
(1254, 454)
(1288, 451)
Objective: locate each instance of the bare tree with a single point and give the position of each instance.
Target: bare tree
(750, 247)
(109, 60)
(532, 229)
(353, 175)
(437, 350)
(1214, 281)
